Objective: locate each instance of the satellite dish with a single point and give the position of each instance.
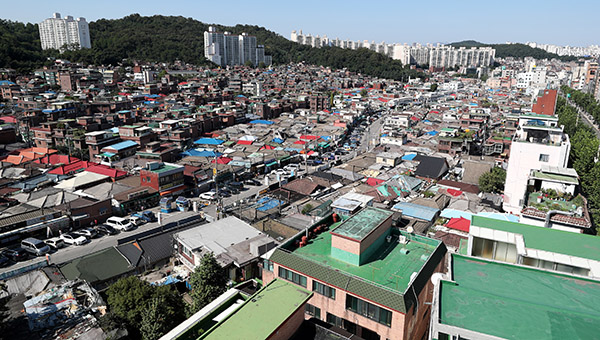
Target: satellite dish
(410, 230)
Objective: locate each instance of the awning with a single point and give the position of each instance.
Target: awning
(272, 163)
(173, 191)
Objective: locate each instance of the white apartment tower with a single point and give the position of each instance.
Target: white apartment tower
(538, 142)
(226, 49)
(56, 32)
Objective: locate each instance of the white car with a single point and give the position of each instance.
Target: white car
(55, 242)
(119, 223)
(70, 238)
(136, 220)
(210, 195)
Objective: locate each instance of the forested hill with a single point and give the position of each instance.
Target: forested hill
(514, 50)
(167, 38)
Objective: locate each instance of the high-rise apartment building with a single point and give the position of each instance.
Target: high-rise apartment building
(226, 49)
(59, 33)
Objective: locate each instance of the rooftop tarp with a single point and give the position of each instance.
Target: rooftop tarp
(409, 156)
(277, 140)
(260, 121)
(208, 141)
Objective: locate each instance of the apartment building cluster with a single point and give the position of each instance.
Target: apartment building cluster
(439, 56)
(576, 51)
(226, 49)
(321, 41)
(64, 33)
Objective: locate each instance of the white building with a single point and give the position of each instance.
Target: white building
(226, 49)
(539, 142)
(56, 32)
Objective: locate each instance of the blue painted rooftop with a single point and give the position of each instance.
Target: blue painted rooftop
(123, 145)
(417, 211)
(208, 141)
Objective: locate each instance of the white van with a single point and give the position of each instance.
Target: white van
(119, 223)
(35, 246)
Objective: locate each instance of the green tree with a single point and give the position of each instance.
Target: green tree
(433, 87)
(493, 181)
(262, 65)
(364, 92)
(130, 299)
(208, 281)
(127, 299)
(163, 313)
(248, 63)
(307, 208)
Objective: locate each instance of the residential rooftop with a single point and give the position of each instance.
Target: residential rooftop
(383, 279)
(363, 223)
(262, 314)
(515, 302)
(552, 240)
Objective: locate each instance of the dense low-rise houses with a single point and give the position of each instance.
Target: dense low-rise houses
(345, 190)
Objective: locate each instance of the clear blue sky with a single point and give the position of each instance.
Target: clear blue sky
(572, 23)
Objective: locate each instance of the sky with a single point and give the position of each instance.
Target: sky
(573, 23)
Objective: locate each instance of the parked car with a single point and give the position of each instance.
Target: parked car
(70, 238)
(55, 242)
(209, 195)
(136, 221)
(252, 182)
(120, 223)
(35, 247)
(147, 216)
(16, 255)
(224, 192)
(232, 190)
(87, 232)
(237, 185)
(105, 229)
(4, 261)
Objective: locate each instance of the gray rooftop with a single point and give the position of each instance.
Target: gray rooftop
(219, 235)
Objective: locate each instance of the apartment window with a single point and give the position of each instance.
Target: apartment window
(324, 289)
(268, 265)
(494, 250)
(544, 157)
(292, 277)
(334, 320)
(102, 211)
(369, 310)
(312, 311)
(533, 262)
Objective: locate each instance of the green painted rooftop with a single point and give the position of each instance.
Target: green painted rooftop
(552, 240)
(555, 177)
(389, 268)
(262, 313)
(165, 168)
(515, 302)
(360, 225)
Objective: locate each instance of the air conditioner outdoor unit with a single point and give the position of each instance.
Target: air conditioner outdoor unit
(402, 239)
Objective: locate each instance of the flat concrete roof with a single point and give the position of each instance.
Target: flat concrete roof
(360, 225)
(516, 302)
(548, 239)
(262, 313)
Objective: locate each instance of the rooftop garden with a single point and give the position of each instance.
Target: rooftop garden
(550, 199)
